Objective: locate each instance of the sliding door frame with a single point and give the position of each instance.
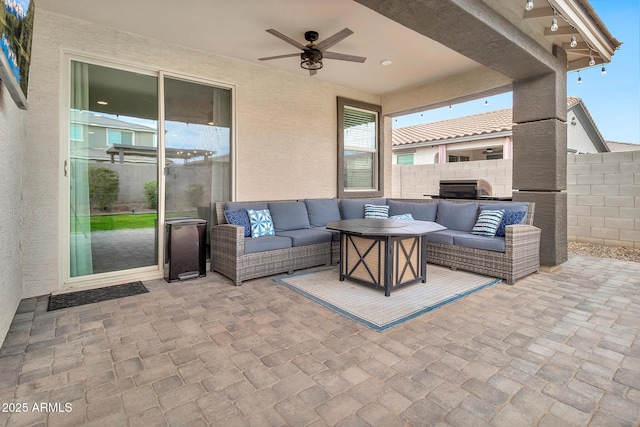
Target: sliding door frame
(65, 281)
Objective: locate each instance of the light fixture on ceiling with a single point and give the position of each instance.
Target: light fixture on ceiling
(385, 62)
(574, 41)
(102, 102)
(529, 5)
(489, 150)
(603, 71)
(311, 59)
(579, 78)
(592, 61)
(554, 22)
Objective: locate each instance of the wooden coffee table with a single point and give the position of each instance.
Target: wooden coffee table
(383, 253)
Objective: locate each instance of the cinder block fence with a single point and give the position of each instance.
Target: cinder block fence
(603, 191)
(604, 198)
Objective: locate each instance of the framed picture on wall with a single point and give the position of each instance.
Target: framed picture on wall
(16, 33)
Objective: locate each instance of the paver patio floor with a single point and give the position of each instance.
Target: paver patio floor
(555, 349)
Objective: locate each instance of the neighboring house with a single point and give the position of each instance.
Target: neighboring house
(486, 136)
(622, 146)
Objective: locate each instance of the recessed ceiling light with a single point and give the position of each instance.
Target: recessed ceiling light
(385, 62)
(102, 102)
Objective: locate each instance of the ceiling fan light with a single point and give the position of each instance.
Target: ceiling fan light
(309, 64)
(311, 59)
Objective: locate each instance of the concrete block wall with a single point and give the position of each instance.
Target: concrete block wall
(414, 181)
(603, 191)
(604, 198)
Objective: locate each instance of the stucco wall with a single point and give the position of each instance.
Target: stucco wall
(286, 127)
(12, 138)
(604, 198)
(577, 137)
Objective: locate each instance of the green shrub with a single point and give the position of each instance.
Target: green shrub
(151, 194)
(194, 193)
(104, 185)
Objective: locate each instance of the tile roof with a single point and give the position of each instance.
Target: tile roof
(476, 125)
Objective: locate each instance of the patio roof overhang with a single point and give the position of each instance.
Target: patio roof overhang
(450, 37)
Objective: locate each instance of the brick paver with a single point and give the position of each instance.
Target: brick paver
(557, 348)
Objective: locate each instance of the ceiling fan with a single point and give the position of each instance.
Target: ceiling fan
(312, 53)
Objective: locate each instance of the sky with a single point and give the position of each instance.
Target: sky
(612, 100)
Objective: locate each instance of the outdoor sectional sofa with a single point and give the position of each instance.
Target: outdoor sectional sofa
(301, 239)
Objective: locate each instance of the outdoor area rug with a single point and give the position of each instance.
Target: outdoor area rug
(72, 299)
(370, 307)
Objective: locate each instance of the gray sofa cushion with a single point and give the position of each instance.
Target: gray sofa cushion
(322, 211)
(446, 237)
(303, 237)
(256, 206)
(335, 235)
(457, 216)
(266, 243)
(419, 211)
(480, 242)
(289, 215)
(354, 208)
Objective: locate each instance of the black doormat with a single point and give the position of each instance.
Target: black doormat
(73, 299)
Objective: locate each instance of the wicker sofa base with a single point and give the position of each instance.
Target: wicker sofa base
(266, 263)
(521, 257)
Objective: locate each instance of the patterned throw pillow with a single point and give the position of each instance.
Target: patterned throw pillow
(261, 223)
(239, 217)
(405, 217)
(510, 218)
(487, 223)
(376, 211)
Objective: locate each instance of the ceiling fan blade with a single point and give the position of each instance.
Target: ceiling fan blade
(289, 40)
(289, 55)
(327, 43)
(343, 57)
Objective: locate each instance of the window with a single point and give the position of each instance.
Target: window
(359, 149)
(75, 132)
(453, 159)
(405, 159)
(116, 136)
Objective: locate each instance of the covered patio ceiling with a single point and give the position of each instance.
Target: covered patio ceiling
(382, 31)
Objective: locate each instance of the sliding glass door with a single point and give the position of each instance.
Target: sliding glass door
(116, 182)
(113, 168)
(197, 143)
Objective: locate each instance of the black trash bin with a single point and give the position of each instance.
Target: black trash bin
(185, 254)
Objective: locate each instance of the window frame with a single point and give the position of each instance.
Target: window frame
(378, 173)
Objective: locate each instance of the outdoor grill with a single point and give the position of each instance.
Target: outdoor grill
(465, 189)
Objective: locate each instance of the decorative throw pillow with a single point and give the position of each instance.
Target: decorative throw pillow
(510, 218)
(487, 223)
(405, 217)
(261, 223)
(376, 211)
(239, 217)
